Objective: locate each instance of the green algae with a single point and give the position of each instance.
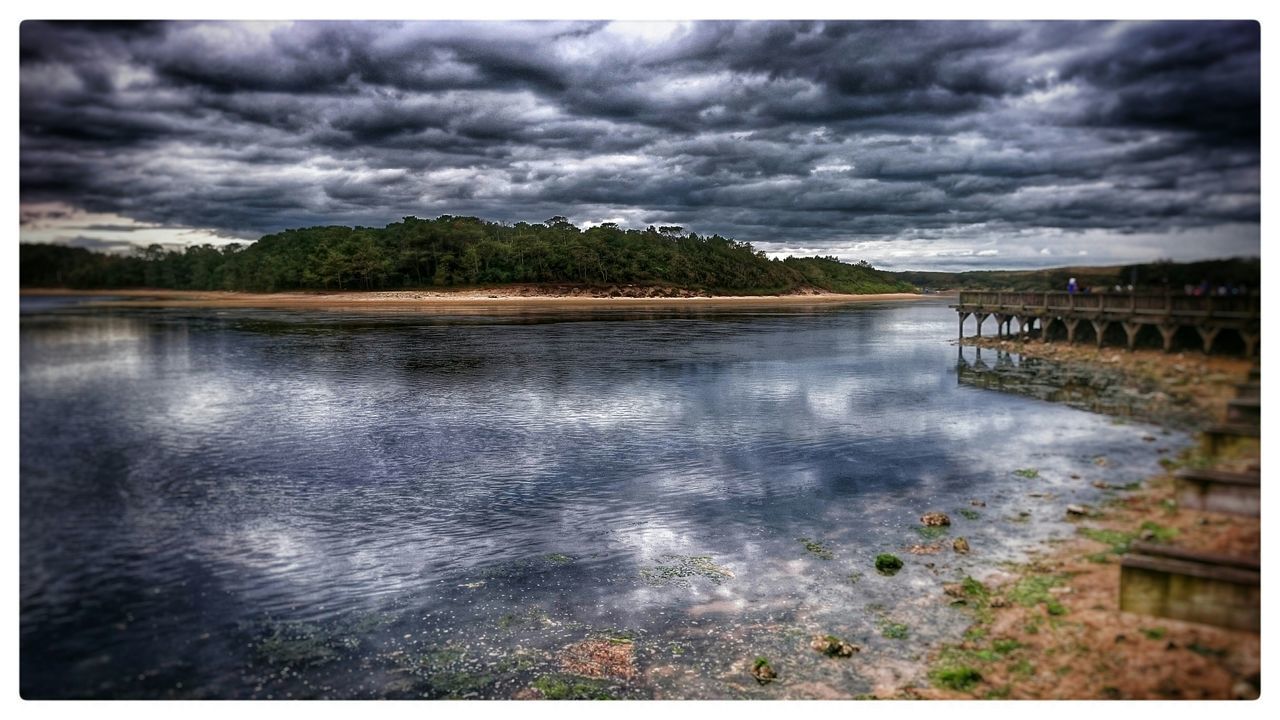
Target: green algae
(678, 569)
(955, 677)
(816, 548)
(932, 532)
(894, 630)
(1034, 589)
(569, 687)
(301, 645)
(888, 564)
(1116, 539)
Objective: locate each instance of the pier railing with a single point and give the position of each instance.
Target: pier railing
(1168, 304)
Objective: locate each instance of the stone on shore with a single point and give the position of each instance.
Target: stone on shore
(763, 672)
(935, 519)
(832, 646)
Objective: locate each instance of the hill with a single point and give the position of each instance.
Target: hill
(1149, 276)
(451, 252)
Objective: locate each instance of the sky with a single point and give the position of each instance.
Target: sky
(914, 145)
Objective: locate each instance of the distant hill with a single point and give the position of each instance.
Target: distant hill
(451, 252)
(1148, 276)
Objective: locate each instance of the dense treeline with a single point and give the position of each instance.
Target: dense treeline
(451, 252)
(1156, 276)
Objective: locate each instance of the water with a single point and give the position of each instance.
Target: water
(253, 503)
(1081, 385)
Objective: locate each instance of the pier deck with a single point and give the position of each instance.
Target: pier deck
(1073, 315)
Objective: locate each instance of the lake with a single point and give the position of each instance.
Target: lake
(350, 504)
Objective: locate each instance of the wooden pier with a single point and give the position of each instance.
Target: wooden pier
(1191, 586)
(1202, 587)
(1074, 316)
(1222, 491)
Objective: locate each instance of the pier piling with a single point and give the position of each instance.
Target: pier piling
(1235, 316)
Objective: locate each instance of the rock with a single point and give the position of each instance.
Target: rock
(978, 503)
(954, 590)
(960, 545)
(1077, 510)
(832, 646)
(601, 658)
(935, 519)
(1074, 476)
(763, 672)
(1102, 484)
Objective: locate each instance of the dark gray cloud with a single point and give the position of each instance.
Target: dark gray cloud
(910, 144)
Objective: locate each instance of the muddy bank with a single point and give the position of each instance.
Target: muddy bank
(1185, 390)
(1052, 628)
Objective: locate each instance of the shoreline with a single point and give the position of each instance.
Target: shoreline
(522, 297)
(1051, 628)
(1193, 382)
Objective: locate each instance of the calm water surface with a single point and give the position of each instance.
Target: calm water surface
(324, 504)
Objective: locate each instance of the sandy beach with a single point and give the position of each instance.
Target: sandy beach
(481, 298)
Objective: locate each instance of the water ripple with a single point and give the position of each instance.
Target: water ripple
(192, 483)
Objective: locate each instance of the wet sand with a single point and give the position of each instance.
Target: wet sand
(522, 297)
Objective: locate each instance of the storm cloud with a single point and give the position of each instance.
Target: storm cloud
(916, 144)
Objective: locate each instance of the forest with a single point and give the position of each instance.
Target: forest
(454, 252)
(1158, 276)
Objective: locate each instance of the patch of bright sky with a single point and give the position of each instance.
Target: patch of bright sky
(62, 223)
(1046, 247)
(651, 31)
